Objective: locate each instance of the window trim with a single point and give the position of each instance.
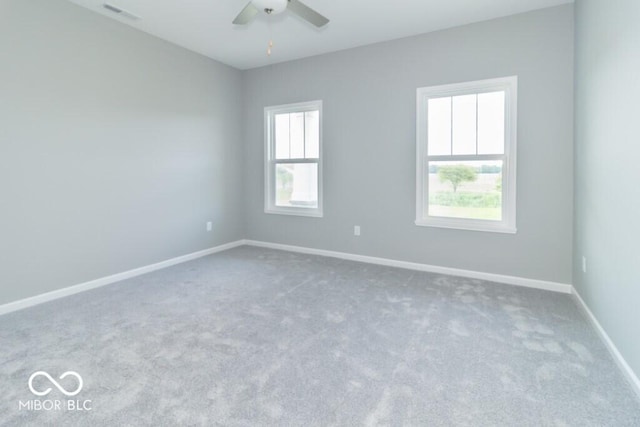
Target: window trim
(508, 223)
(270, 160)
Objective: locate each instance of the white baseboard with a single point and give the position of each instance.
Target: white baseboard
(71, 290)
(617, 357)
(510, 280)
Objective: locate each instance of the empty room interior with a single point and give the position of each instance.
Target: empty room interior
(319, 213)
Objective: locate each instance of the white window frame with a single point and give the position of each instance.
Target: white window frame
(508, 223)
(270, 162)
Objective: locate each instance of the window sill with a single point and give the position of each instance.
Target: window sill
(466, 225)
(313, 213)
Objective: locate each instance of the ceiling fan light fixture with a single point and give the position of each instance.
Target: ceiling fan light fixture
(275, 6)
(271, 7)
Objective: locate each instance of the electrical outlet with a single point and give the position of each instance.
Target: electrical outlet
(584, 264)
(356, 230)
(209, 226)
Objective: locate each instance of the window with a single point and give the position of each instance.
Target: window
(466, 155)
(293, 170)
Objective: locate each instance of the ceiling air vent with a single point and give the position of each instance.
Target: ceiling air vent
(121, 12)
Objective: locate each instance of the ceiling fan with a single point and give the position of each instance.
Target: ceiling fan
(272, 7)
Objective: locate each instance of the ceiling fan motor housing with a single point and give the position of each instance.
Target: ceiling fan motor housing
(274, 6)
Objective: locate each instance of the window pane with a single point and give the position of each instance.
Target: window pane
(464, 124)
(491, 123)
(312, 134)
(439, 126)
(282, 136)
(297, 135)
(297, 185)
(470, 190)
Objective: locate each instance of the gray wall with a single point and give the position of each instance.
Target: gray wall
(369, 142)
(607, 167)
(115, 148)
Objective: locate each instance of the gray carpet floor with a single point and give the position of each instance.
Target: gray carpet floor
(257, 337)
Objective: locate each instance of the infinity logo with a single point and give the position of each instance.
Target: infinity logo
(55, 383)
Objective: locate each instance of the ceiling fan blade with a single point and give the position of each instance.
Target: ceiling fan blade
(306, 13)
(247, 14)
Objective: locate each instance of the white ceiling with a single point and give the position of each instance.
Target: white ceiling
(204, 26)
